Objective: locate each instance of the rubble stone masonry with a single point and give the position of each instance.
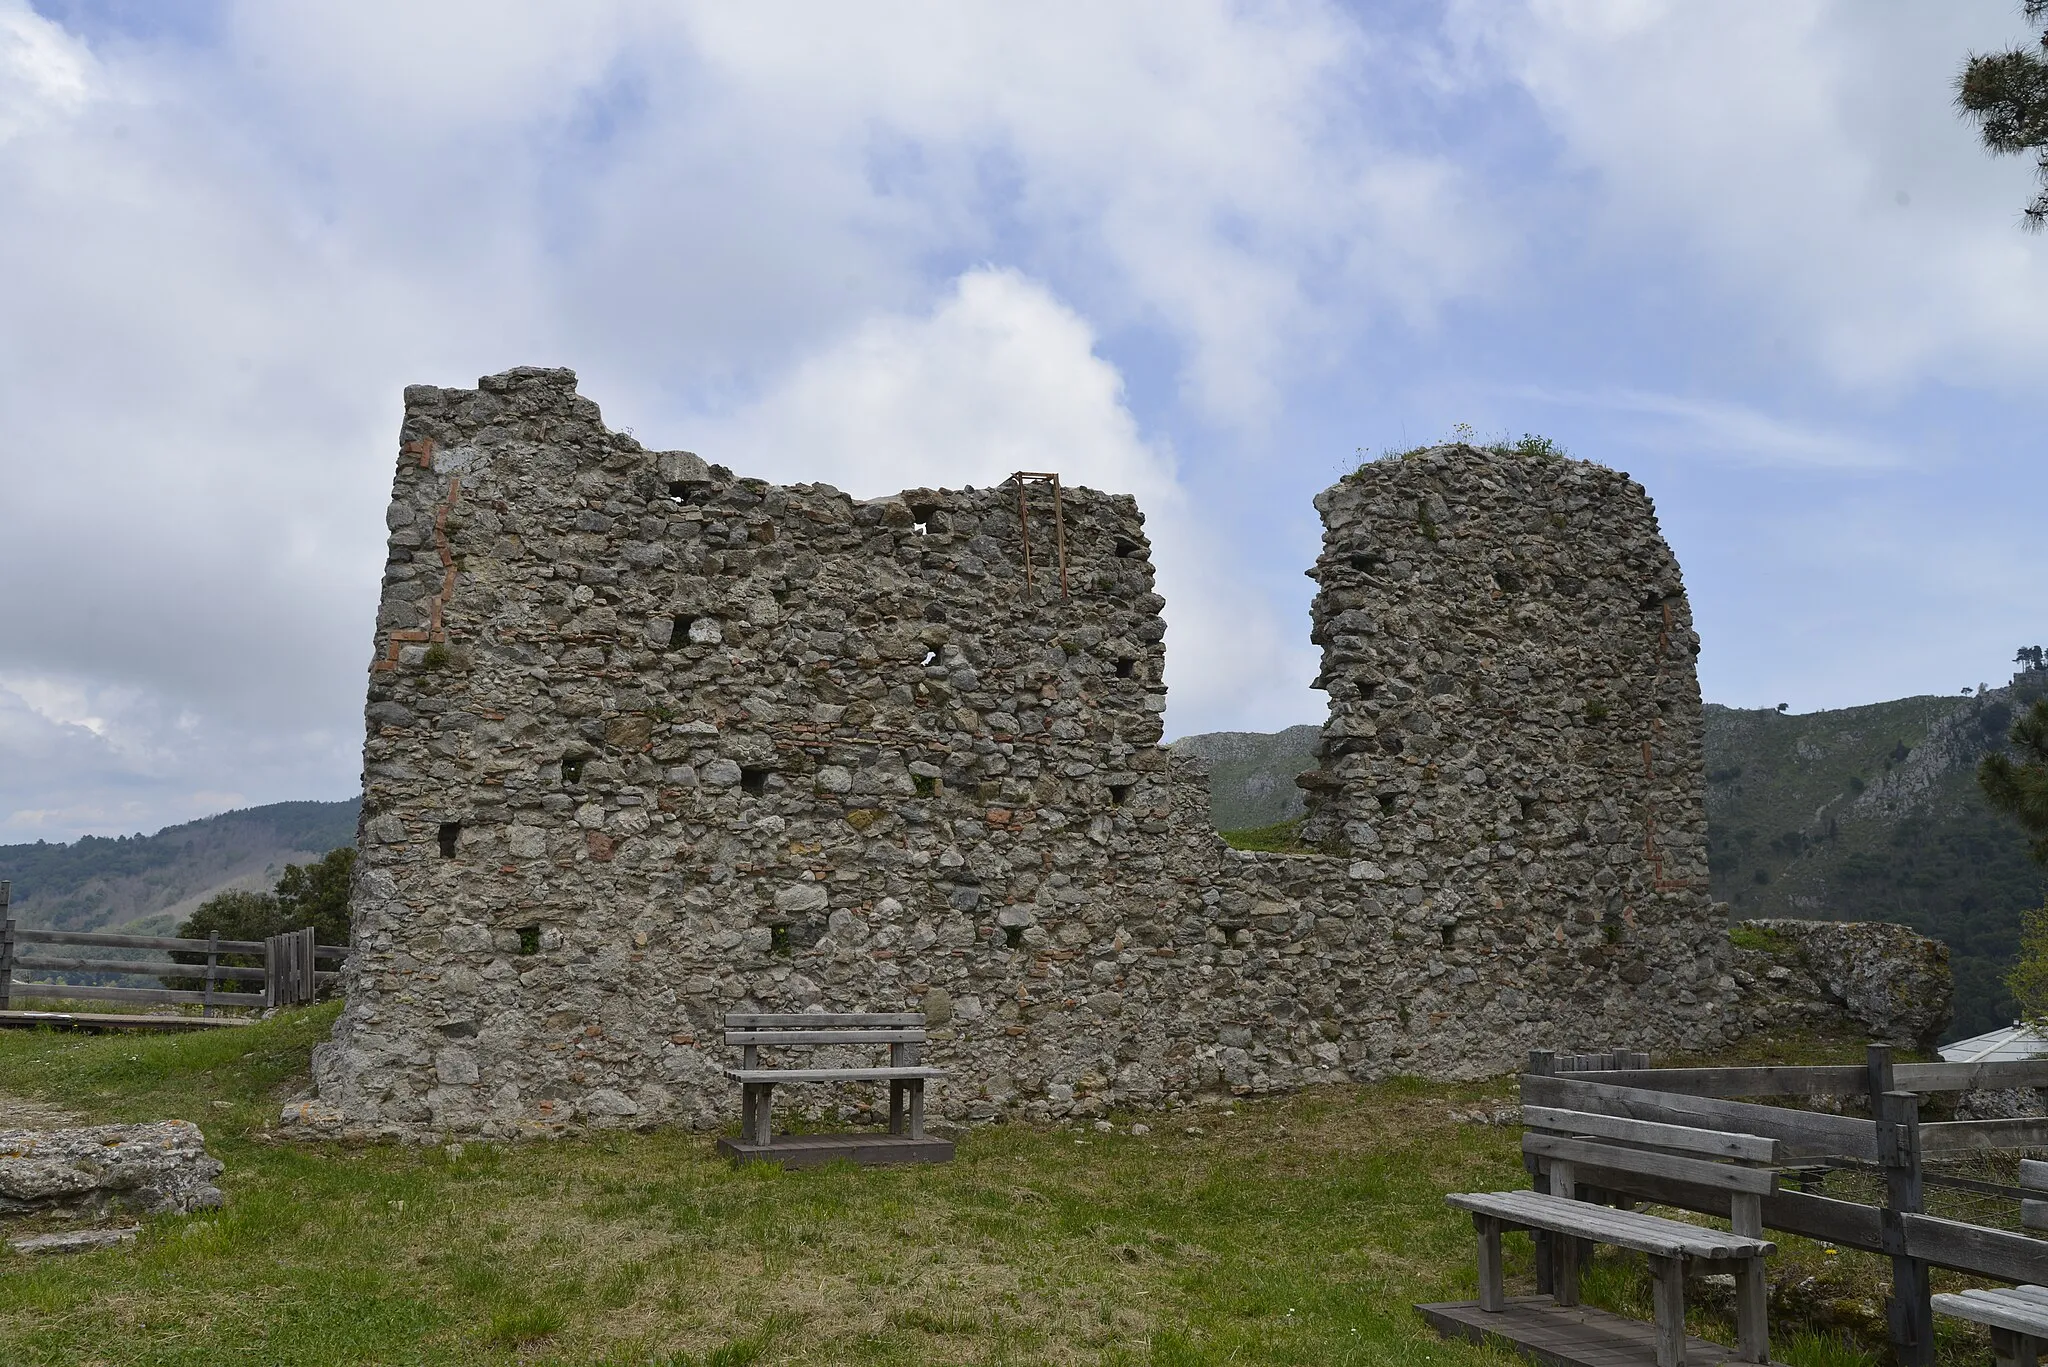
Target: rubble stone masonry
(649, 742)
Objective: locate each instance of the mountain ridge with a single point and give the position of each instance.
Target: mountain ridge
(149, 883)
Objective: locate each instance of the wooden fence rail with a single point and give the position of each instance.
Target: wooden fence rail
(1892, 1143)
(291, 971)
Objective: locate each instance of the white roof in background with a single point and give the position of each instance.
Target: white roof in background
(2013, 1041)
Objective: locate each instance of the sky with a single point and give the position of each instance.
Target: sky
(1212, 254)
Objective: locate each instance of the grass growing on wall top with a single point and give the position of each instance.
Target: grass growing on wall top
(1282, 837)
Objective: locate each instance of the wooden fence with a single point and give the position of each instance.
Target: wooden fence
(291, 971)
(1892, 1143)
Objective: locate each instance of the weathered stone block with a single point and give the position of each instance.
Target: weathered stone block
(148, 1169)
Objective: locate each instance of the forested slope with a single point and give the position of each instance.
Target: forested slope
(101, 881)
(1873, 814)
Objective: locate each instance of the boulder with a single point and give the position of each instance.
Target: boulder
(148, 1169)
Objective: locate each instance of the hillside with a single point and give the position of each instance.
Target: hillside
(1251, 773)
(1873, 813)
(1858, 814)
(158, 879)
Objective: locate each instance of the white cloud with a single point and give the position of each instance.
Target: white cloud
(44, 72)
(1805, 153)
(1000, 376)
(1726, 430)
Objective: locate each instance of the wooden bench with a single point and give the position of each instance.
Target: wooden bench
(903, 1033)
(2016, 1316)
(1571, 1150)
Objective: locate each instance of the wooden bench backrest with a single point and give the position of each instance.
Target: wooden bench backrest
(749, 1030)
(1577, 1146)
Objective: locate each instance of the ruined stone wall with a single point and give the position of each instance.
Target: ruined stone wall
(648, 742)
(1514, 713)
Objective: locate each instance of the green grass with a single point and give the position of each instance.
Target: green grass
(1298, 1230)
(1293, 1231)
(1282, 837)
(1759, 938)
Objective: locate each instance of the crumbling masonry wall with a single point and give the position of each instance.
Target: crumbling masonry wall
(648, 742)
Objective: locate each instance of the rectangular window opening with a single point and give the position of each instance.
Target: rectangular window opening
(529, 940)
(680, 636)
(778, 939)
(754, 781)
(572, 768)
(1013, 936)
(451, 831)
(1119, 794)
(1126, 669)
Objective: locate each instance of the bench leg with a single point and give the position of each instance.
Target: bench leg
(917, 1109)
(1752, 1318)
(1492, 1290)
(2014, 1349)
(758, 1126)
(1565, 1252)
(1670, 1300)
(896, 1091)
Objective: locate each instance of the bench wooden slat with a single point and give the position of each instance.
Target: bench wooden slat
(1800, 1132)
(831, 1074)
(821, 1020)
(1651, 1234)
(1699, 1171)
(2034, 1174)
(1719, 1143)
(738, 1037)
(2000, 1309)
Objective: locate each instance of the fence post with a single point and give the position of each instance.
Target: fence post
(212, 967)
(306, 965)
(6, 944)
(1909, 1311)
(1542, 1063)
(272, 968)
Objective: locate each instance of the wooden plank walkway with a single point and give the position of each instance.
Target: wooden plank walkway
(1565, 1336)
(112, 1020)
(816, 1150)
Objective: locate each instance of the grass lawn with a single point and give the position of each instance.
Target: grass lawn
(1298, 1230)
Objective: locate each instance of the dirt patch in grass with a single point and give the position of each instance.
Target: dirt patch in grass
(24, 1113)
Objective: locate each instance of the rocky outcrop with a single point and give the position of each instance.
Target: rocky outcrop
(1835, 977)
(145, 1169)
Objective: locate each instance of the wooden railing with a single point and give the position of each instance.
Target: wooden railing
(1891, 1143)
(291, 974)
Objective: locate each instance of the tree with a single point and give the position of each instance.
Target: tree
(2007, 94)
(313, 895)
(2019, 788)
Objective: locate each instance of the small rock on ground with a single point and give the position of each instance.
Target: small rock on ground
(74, 1240)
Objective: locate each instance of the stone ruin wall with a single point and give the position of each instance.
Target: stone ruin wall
(648, 742)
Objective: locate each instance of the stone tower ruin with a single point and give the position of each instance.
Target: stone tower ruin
(648, 742)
